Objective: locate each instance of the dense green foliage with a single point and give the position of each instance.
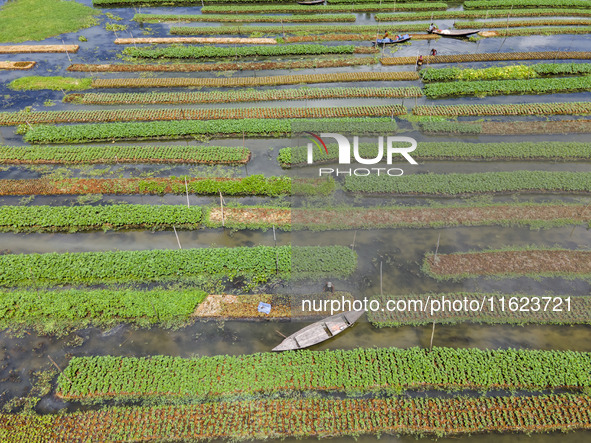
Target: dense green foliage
(187, 129)
(123, 154)
(176, 114)
(34, 82)
(238, 51)
(493, 13)
(250, 18)
(244, 95)
(500, 87)
(294, 9)
(308, 417)
(556, 108)
(359, 370)
(513, 72)
(453, 184)
(451, 151)
(25, 20)
(505, 4)
(523, 23)
(435, 127)
(80, 218)
(580, 312)
(258, 263)
(62, 310)
(546, 30)
(291, 30)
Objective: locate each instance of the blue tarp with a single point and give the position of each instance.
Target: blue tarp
(265, 308)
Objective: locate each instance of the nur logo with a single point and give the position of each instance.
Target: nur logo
(345, 148)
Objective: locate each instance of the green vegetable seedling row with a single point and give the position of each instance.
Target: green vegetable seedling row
(258, 263)
(391, 370)
(485, 182)
(57, 312)
(451, 151)
(226, 155)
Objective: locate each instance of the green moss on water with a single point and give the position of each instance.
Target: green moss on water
(26, 20)
(56, 83)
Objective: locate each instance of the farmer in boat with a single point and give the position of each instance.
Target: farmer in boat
(420, 61)
(431, 28)
(433, 51)
(329, 287)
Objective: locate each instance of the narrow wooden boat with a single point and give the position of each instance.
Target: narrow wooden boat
(311, 2)
(320, 331)
(455, 32)
(390, 41)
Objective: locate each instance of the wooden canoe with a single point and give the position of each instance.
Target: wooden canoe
(310, 2)
(390, 41)
(320, 331)
(455, 33)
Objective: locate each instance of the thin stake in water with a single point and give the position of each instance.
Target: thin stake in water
(177, 237)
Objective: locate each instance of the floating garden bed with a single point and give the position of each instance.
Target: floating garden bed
(61, 311)
(258, 263)
(249, 217)
(251, 185)
(21, 49)
(513, 72)
(102, 378)
(536, 216)
(248, 18)
(225, 66)
(509, 263)
(197, 52)
(245, 307)
(239, 96)
(559, 310)
(112, 3)
(562, 108)
(536, 31)
(505, 4)
(198, 128)
(35, 82)
(302, 418)
(174, 114)
(294, 79)
(493, 13)
(461, 184)
(509, 87)
(295, 9)
(523, 23)
(210, 155)
(294, 29)
(87, 218)
(350, 37)
(17, 66)
(489, 57)
(507, 128)
(193, 40)
(565, 151)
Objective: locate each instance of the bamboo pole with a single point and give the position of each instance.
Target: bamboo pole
(432, 334)
(177, 237)
(187, 191)
(274, 236)
(436, 248)
(381, 280)
(222, 208)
